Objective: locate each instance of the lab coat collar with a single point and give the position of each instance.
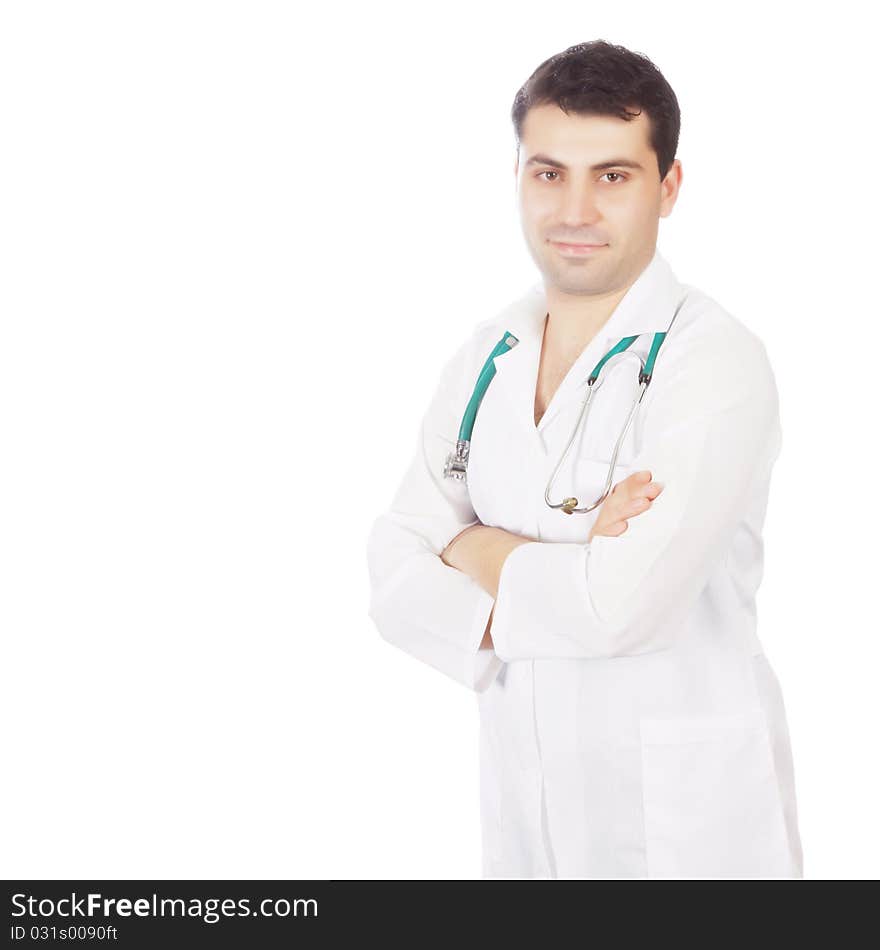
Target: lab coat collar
(646, 307)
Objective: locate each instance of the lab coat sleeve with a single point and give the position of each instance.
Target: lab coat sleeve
(710, 427)
(434, 612)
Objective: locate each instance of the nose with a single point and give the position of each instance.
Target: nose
(579, 206)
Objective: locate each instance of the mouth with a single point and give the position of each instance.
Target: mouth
(577, 250)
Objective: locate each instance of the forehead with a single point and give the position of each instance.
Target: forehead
(546, 128)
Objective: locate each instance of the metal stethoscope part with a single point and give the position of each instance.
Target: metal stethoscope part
(570, 505)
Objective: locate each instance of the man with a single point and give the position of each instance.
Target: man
(631, 725)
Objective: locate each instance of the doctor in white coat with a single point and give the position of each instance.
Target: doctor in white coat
(630, 724)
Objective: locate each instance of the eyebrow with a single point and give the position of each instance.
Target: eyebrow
(611, 163)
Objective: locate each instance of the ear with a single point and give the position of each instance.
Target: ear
(669, 188)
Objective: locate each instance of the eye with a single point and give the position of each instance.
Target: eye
(617, 176)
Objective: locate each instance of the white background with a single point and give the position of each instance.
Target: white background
(239, 241)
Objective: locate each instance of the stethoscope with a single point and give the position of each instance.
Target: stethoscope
(456, 461)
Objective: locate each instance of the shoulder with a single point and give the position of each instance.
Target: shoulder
(703, 323)
(461, 368)
(710, 363)
(711, 342)
(465, 363)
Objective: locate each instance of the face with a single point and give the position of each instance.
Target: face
(590, 180)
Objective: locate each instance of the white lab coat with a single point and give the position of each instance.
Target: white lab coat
(630, 724)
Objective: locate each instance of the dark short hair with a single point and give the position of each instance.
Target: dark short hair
(598, 78)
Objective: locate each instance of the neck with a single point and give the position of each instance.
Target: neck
(573, 321)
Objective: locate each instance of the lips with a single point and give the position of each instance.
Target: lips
(577, 249)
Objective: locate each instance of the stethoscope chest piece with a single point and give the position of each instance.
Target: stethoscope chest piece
(456, 461)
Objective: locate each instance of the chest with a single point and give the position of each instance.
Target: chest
(521, 435)
(551, 372)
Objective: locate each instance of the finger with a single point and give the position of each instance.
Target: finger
(637, 478)
(634, 484)
(650, 490)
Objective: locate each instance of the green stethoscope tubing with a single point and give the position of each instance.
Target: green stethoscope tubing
(456, 462)
(487, 374)
(624, 344)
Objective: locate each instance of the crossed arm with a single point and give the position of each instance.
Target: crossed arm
(708, 432)
(480, 551)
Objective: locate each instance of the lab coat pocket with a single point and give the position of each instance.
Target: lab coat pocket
(711, 799)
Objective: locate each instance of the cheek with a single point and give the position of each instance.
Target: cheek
(624, 207)
(641, 206)
(536, 207)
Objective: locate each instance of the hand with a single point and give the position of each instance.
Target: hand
(479, 551)
(627, 499)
